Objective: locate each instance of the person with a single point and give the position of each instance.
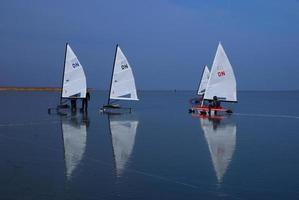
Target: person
(216, 103)
(85, 102)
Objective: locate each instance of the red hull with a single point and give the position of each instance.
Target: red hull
(213, 117)
(206, 108)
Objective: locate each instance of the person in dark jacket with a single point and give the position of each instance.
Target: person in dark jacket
(85, 102)
(216, 103)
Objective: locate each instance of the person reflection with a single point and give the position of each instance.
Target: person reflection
(215, 122)
(85, 119)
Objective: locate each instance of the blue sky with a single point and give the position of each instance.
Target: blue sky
(167, 42)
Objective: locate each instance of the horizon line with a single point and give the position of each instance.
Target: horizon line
(41, 88)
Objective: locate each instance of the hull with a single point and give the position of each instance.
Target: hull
(207, 117)
(204, 110)
(114, 110)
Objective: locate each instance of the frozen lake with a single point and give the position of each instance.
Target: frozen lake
(158, 152)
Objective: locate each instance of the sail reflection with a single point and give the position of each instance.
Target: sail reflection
(220, 135)
(123, 133)
(74, 140)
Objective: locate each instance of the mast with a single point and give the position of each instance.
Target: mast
(66, 44)
(112, 74)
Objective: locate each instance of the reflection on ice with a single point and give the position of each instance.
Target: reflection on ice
(74, 139)
(221, 139)
(123, 133)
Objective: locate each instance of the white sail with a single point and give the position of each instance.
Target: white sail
(123, 133)
(74, 139)
(74, 80)
(222, 82)
(204, 81)
(221, 139)
(123, 83)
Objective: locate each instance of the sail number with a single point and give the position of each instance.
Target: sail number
(221, 73)
(125, 66)
(75, 65)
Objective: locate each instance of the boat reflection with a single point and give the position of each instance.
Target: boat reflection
(74, 132)
(220, 134)
(123, 131)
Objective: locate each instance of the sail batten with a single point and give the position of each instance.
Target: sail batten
(123, 98)
(74, 80)
(123, 82)
(222, 81)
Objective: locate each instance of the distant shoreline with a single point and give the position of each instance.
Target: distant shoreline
(54, 89)
(43, 89)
